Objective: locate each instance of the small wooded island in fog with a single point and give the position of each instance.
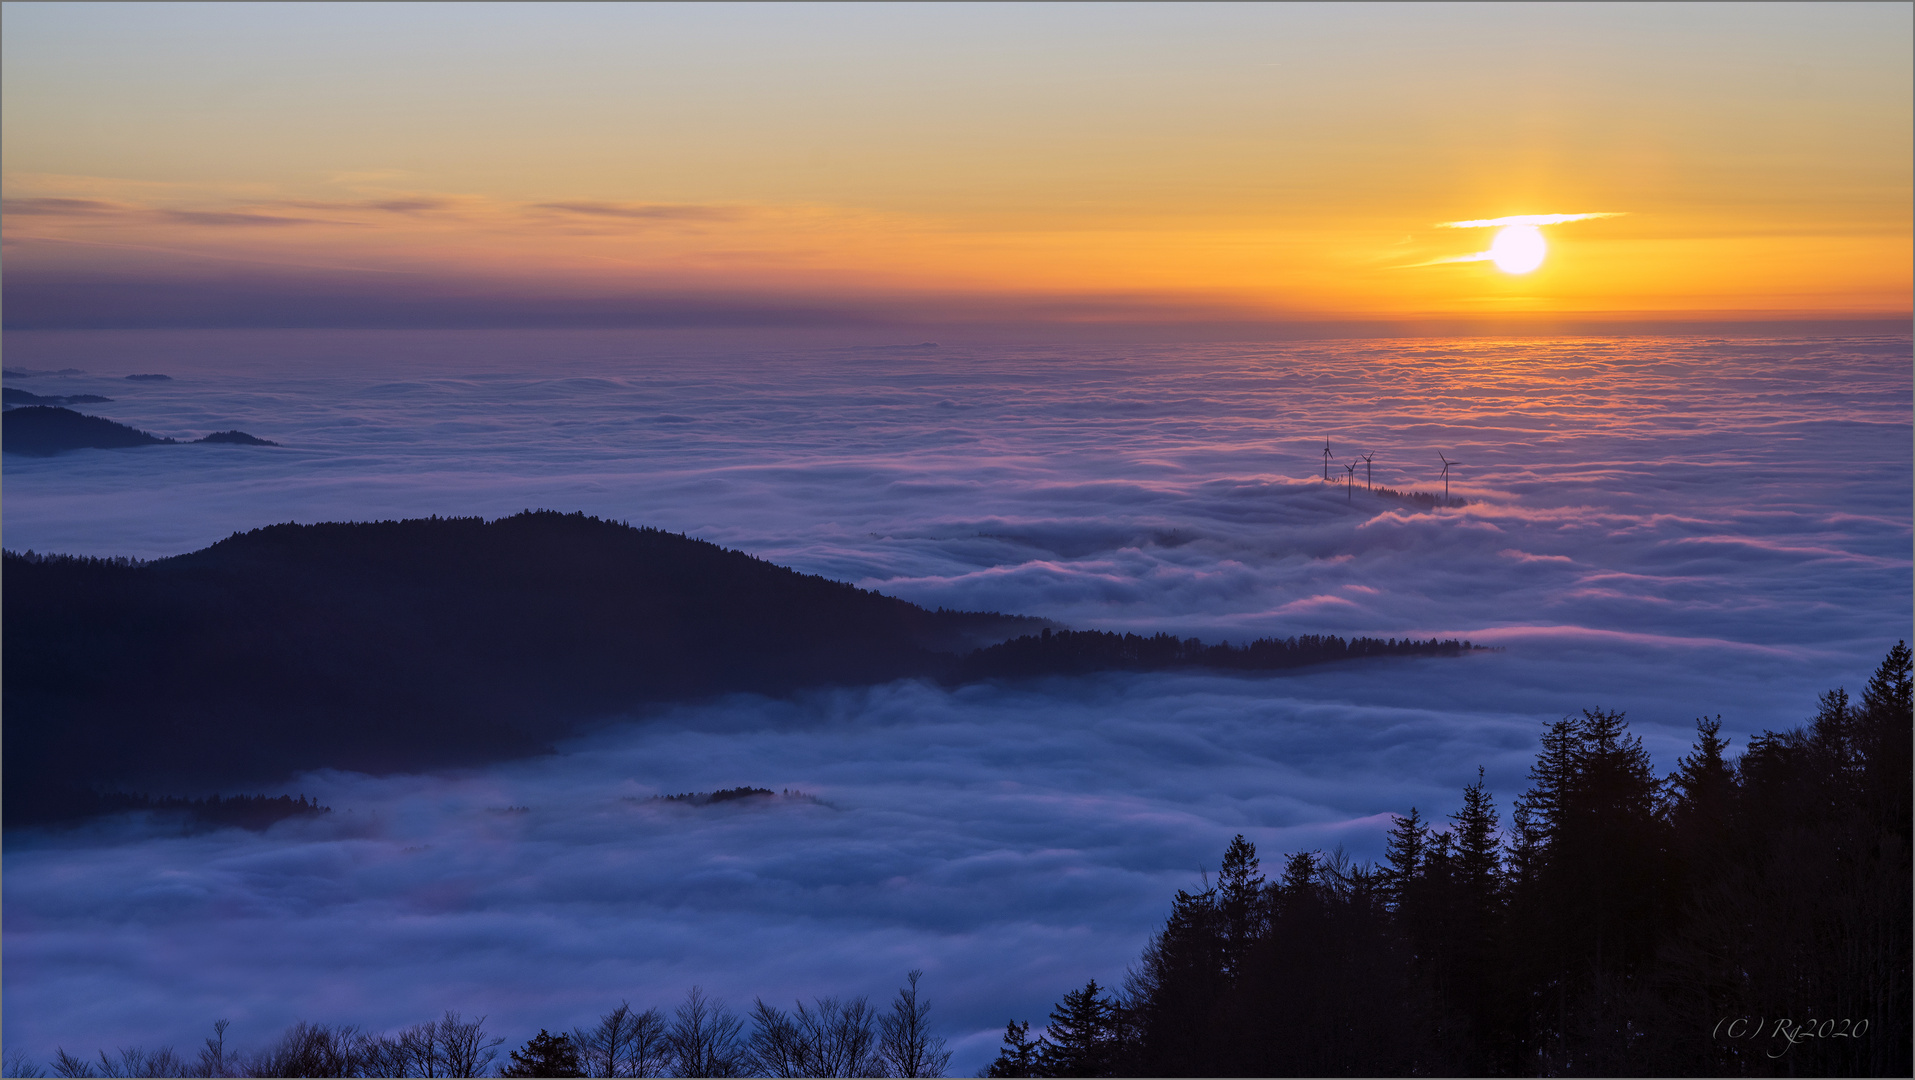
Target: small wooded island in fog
(405, 645)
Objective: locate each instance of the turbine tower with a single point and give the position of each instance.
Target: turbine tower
(1447, 466)
(1349, 484)
(1369, 476)
(1326, 460)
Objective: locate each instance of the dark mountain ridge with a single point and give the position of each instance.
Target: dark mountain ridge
(10, 396)
(403, 645)
(45, 430)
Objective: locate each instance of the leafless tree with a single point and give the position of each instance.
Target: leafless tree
(309, 1050)
(840, 1037)
(704, 1037)
(138, 1062)
(463, 1045)
(391, 1055)
(830, 1038)
(625, 1043)
(419, 1052)
(777, 1047)
(214, 1060)
(65, 1064)
(907, 1047)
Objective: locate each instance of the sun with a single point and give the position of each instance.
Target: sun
(1518, 249)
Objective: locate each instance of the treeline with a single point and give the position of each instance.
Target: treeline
(1745, 917)
(1422, 497)
(242, 811)
(701, 1037)
(721, 795)
(1077, 652)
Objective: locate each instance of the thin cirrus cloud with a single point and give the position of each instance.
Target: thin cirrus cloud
(99, 210)
(1504, 222)
(344, 211)
(1526, 219)
(54, 206)
(643, 211)
(223, 219)
(418, 205)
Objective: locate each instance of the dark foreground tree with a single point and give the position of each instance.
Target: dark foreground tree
(1019, 1054)
(704, 1039)
(906, 1046)
(544, 1054)
(625, 1043)
(1743, 917)
(1079, 1039)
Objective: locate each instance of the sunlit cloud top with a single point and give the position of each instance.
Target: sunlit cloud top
(1525, 219)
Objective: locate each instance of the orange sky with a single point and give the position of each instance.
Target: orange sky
(1081, 162)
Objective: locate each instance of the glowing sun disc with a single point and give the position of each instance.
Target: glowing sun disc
(1518, 249)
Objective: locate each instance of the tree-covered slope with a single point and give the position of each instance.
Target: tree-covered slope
(41, 430)
(402, 645)
(398, 645)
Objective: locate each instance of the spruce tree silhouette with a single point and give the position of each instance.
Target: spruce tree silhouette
(544, 1054)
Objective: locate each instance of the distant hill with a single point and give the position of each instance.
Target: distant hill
(236, 438)
(10, 396)
(404, 645)
(43, 430)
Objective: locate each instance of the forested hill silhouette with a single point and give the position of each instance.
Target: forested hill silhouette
(405, 645)
(45, 430)
(1079, 652)
(409, 644)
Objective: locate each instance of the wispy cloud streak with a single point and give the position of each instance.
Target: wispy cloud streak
(1526, 219)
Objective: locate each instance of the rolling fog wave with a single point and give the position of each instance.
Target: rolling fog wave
(1670, 526)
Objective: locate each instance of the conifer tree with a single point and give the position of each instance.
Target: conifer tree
(1478, 859)
(1403, 854)
(1240, 904)
(544, 1054)
(1078, 1037)
(1020, 1053)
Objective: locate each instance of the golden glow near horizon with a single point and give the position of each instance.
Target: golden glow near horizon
(1120, 161)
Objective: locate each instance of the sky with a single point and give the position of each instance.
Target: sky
(947, 165)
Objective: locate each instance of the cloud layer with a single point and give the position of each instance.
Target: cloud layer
(1673, 527)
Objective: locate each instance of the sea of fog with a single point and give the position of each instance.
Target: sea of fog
(1675, 527)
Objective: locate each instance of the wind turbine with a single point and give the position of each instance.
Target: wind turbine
(1369, 477)
(1326, 460)
(1447, 466)
(1349, 485)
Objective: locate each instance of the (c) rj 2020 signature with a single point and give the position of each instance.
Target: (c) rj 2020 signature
(1790, 1031)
